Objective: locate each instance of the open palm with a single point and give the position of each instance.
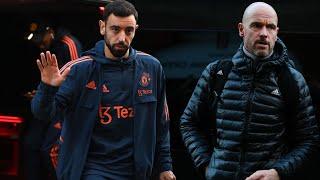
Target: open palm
(49, 70)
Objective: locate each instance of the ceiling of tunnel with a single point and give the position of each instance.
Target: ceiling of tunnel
(217, 15)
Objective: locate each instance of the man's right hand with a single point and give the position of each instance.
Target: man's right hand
(49, 70)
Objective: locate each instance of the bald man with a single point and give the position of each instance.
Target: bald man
(255, 138)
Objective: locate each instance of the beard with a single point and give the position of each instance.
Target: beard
(117, 50)
(262, 51)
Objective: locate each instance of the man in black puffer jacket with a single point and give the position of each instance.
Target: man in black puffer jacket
(251, 126)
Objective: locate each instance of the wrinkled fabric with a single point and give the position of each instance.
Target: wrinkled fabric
(251, 126)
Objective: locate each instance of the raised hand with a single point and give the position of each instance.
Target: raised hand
(49, 70)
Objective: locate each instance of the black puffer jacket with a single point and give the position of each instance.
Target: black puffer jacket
(251, 126)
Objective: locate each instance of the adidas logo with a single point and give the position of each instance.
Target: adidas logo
(91, 85)
(276, 92)
(220, 73)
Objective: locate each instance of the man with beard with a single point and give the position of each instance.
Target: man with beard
(254, 136)
(113, 99)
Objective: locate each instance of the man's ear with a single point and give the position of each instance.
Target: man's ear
(137, 26)
(240, 28)
(102, 27)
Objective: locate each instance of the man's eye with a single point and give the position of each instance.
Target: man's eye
(271, 26)
(115, 29)
(129, 31)
(255, 25)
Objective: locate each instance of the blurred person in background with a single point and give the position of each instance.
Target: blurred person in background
(40, 138)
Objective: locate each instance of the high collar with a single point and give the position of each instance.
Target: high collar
(254, 57)
(245, 63)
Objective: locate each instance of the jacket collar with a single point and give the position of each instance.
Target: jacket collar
(245, 64)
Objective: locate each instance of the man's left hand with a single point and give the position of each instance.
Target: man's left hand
(270, 174)
(167, 175)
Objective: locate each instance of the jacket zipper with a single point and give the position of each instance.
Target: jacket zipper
(247, 120)
(122, 82)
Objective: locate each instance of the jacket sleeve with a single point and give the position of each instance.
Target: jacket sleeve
(305, 135)
(50, 101)
(163, 159)
(196, 112)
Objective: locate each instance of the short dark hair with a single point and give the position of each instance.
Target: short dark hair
(120, 8)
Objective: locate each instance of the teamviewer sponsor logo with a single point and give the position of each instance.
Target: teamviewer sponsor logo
(108, 113)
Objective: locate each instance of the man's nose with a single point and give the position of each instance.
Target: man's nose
(122, 36)
(263, 31)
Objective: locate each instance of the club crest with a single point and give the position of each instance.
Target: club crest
(145, 79)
